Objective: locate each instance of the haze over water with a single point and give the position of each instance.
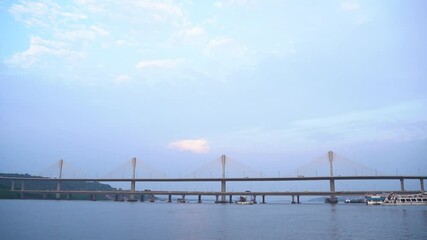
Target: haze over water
(52, 220)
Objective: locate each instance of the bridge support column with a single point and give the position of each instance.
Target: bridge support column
(58, 188)
(169, 198)
(293, 199)
(132, 189)
(223, 190)
(422, 185)
(254, 198)
(183, 199)
(216, 199)
(132, 183)
(223, 183)
(230, 199)
(199, 199)
(93, 197)
(69, 196)
(44, 195)
(12, 187)
(402, 184)
(142, 198)
(116, 197)
(22, 188)
(298, 199)
(332, 181)
(263, 198)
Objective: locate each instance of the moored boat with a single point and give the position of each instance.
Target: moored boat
(243, 200)
(406, 199)
(375, 199)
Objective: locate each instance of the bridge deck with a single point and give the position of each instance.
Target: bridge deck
(205, 193)
(257, 179)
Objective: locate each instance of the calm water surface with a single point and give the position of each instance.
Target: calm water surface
(49, 219)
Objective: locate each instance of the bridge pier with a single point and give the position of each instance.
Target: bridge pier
(230, 199)
(254, 198)
(169, 198)
(183, 199)
(199, 200)
(58, 188)
(298, 199)
(223, 183)
(331, 180)
(93, 197)
(22, 188)
(132, 183)
(12, 187)
(216, 199)
(263, 199)
(142, 198)
(45, 196)
(69, 196)
(422, 184)
(293, 199)
(402, 184)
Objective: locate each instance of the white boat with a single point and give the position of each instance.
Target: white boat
(375, 199)
(406, 199)
(347, 201)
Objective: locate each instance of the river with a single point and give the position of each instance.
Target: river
(107, 220)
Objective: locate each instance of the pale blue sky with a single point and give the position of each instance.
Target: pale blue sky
(273, 84)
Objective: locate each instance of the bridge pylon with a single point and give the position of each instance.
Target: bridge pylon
(132, 183)
(58, 184)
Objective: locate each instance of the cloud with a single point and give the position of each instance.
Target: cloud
(224, 45)
(44, 13)
(121, 79)
(219, 42)
(350, 6)
(397, 123)
(164, 63)
(228, 3)
(191, 145)
(162, 8)
(40, 48)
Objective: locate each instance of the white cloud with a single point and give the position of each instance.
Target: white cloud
(228, 3)
(125, 43)
(121, 79)
(224, 45)
(163, 8)
(44, 13)
(398, 123)
(192, 145)
(350, 6)
(163, 63)
(40, 48)
(81, 33)
(219, 42)
(193, 31)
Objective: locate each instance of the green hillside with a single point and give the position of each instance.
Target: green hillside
(6, 193)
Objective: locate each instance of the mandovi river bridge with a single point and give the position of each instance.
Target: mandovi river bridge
(222, 195)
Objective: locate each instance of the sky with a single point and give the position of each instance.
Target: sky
(271, 84)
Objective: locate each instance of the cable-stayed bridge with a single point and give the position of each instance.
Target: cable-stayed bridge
(330, 167)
